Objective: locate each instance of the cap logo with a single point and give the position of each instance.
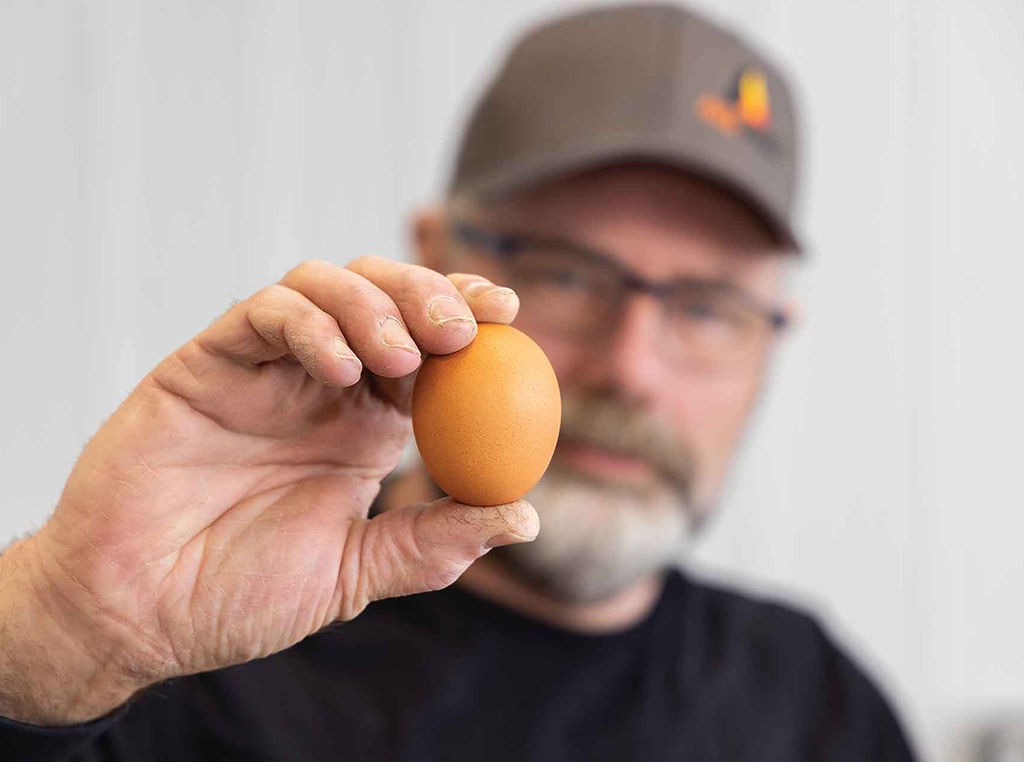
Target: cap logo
(746, 107)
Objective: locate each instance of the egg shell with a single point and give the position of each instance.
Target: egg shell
(486, 418)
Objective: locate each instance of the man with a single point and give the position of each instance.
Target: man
(630, 175)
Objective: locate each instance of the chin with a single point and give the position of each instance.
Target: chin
(599, 539)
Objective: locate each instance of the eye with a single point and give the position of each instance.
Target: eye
(567, 279)
(703, 310)
(561, 278)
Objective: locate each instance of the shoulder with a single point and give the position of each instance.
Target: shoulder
(761, 642)
(763, 627)
(779, 659)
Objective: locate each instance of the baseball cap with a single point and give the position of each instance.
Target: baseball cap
(646, 82)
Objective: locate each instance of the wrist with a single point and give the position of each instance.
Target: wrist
(50, 673)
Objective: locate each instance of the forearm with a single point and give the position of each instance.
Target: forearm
(47, 675)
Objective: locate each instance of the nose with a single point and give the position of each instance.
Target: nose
(627, 362)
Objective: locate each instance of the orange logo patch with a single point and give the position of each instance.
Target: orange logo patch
(750, 109)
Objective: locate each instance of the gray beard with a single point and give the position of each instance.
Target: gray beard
(598, 539)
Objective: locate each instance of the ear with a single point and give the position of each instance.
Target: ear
(430, 237)
(794, 312)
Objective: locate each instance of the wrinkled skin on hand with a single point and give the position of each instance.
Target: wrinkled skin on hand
(220, 514)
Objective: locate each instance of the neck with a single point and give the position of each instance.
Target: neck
(489, 578)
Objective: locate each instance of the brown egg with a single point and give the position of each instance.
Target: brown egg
(486, 418)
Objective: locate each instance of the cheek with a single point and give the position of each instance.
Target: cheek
(567, 357)
(710, 415)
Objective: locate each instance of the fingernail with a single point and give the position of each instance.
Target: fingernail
(342, 351)
(394, 336)
(478, 285)
(508, 538)
(444, 309)
(485, 288)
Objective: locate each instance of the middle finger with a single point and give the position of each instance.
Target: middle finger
(438, 316)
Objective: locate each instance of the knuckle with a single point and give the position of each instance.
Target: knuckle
(362, 291)
(442, 574)
(364, 263)
(424, 276)
(300, 317)
(412, 278)
(310, 269)
(272, 295)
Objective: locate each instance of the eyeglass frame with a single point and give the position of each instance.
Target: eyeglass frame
(505, 246)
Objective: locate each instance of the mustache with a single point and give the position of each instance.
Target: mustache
(610, 424)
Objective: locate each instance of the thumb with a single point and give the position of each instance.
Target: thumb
(427, 546)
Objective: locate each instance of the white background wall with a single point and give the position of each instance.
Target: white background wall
(158, 160)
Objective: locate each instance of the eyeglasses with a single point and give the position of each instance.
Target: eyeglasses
(580, 293)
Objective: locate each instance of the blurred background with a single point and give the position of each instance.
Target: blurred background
(160, 160)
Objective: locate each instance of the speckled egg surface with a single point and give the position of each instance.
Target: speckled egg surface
(486, 418)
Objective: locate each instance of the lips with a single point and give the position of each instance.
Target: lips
(604, 464)
(607, 441)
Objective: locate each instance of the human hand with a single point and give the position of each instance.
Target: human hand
(220, 514)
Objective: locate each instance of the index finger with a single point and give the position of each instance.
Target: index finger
(490, 303)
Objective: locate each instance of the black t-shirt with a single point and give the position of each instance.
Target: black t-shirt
(709, 675)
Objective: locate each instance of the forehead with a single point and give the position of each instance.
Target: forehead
(658, 221)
